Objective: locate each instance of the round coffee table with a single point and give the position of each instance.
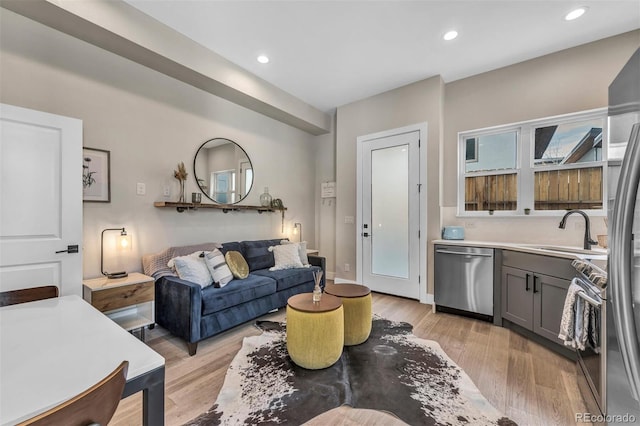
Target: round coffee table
(356, 300)
(315, 331)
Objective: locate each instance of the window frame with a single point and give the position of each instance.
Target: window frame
(524, 168)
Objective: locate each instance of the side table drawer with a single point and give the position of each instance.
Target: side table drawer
(120, 297)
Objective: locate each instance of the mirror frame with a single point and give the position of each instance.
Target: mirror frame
(195, 175)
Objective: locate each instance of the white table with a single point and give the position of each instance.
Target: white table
(52, 350)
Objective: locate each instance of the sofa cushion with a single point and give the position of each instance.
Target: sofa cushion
(236, 292)
(287, 278)
(231, 246)
(257, 253)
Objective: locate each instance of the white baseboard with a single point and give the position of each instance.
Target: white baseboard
(330, 275)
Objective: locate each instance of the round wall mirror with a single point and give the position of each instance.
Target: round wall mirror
(223, 171)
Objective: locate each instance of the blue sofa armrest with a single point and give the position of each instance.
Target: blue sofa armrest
(179, 307)
(322, 263)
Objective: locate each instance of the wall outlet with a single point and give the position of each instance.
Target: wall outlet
(348, 219)
(141, 188)
(470, 225)
(166, 191)
(347, 267)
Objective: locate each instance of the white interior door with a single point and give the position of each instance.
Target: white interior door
(390, 222)
(40, 200)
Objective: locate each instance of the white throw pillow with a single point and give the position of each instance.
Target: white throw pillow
(193, 269)
(171, 263)
(286, 257)
(218, 268)
(302, 250)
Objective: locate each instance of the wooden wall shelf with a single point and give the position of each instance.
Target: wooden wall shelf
(180, 207)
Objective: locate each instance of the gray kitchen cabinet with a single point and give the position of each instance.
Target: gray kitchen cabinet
(532, 297)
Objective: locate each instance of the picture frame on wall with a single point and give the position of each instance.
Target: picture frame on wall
(96, 175)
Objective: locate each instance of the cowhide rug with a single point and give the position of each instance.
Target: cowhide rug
(392, 371)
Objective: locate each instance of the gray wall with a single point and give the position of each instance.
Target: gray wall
(568, 81)
(412, 104)
(150, 122)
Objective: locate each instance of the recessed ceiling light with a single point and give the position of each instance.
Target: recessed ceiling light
(263, 59)
(450, 35)
(575, 14)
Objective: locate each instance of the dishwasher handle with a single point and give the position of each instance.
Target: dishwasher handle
(462, 253)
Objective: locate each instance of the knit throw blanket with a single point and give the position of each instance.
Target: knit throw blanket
(155, 265)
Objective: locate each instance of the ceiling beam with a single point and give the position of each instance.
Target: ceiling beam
(120, 28)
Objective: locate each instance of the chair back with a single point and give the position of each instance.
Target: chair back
(24, 295)
(94, 406)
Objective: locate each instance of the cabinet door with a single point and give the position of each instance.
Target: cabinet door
(517, 296)
(548, 303)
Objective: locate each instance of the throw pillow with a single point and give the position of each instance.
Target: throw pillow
(199, 253)
(302, 250)
(237, 264)
(218, 268)
(193, 269)
(286, 256)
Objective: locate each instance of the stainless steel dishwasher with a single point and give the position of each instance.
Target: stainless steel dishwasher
(464, 280)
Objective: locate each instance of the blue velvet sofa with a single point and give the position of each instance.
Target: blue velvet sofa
(194, 313)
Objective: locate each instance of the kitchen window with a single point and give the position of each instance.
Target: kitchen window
(540, 166)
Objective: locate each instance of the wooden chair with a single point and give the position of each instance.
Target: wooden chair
(95, 406)
(27, 295)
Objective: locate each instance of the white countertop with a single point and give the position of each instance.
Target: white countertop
(570, 252)
(51, 350)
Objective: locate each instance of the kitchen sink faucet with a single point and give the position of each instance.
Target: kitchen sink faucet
(587, 227)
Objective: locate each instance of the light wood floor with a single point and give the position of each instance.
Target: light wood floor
(527, 382)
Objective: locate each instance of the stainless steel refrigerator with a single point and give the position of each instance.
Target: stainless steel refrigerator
(622, 392)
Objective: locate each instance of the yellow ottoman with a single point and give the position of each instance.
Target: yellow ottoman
(315, 331)
(356, 300)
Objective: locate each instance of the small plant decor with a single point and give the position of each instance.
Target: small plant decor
(181, 174)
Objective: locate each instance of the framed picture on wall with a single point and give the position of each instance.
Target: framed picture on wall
(96, 175)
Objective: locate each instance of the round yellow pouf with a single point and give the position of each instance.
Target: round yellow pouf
(356, 300)
(315, 331)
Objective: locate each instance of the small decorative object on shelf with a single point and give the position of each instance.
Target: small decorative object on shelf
(196, 197)
(277, 204)
(181, 174)
(265, 199)
(317, 291)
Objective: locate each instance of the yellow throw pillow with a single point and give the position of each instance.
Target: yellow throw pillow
(237, 264)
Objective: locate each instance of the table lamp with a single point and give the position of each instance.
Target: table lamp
(297, 229)
(123, 243)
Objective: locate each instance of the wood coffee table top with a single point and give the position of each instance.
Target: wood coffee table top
(304, 302)
(347, 290)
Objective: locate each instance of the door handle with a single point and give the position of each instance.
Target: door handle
(535, 289)
(70, 249)
(526, 282)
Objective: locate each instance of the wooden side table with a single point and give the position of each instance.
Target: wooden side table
(129, 301)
